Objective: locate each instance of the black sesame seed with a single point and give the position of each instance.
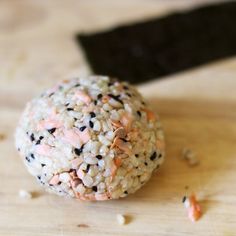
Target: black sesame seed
(99, 157)
(139, 113)
(145, 163)
(75, 119)
(124, 140)
(91, 124)
(184, 199)
(43, 165)
(153, 156)
(69, 109)
(92, 114)
(128, 94)
(67, 104)
(95, 102)
(38, 142)
(39, 177)
(82, 128)
(117, 98)
(160, 155)
(32, 137)
(125, 87)
(78, 151)
(125, 192)
(77, 85)
(59, 182)
(136, 155)
(87, 168)
(27, 159)
(51, 131)
(50, 95)
(99, 96)
(18, 149)
(94, 188)
(32, 156)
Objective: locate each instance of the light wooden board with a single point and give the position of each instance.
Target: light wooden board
(197, 108)
(209, 129)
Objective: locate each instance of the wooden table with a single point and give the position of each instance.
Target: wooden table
(197, 108)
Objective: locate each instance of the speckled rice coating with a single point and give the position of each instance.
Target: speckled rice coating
(90, 138)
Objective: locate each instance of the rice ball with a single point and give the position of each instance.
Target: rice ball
(92, 138)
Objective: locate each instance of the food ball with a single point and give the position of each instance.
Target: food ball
(91, 138)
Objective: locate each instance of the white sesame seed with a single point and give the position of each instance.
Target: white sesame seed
(88, 181)
(97, 126)
(91, 160)
(93, 170)
(105, 126)
(110, 135)
(114, 115)
(64, 177)
(103, 150)
(107, 173)
(83, 166)
(128, 108)
(101, 186)
(106, 107)
(80, 188)
(114, 103)
(101, 163)
(104, 140)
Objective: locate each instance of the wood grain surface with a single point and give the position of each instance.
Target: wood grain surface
(197, 108)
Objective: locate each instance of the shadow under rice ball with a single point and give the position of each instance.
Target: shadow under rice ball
(91, 138)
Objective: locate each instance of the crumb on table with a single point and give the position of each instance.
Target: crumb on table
(121, 219)
(190, 156)
(193, 207)
(25, 194)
